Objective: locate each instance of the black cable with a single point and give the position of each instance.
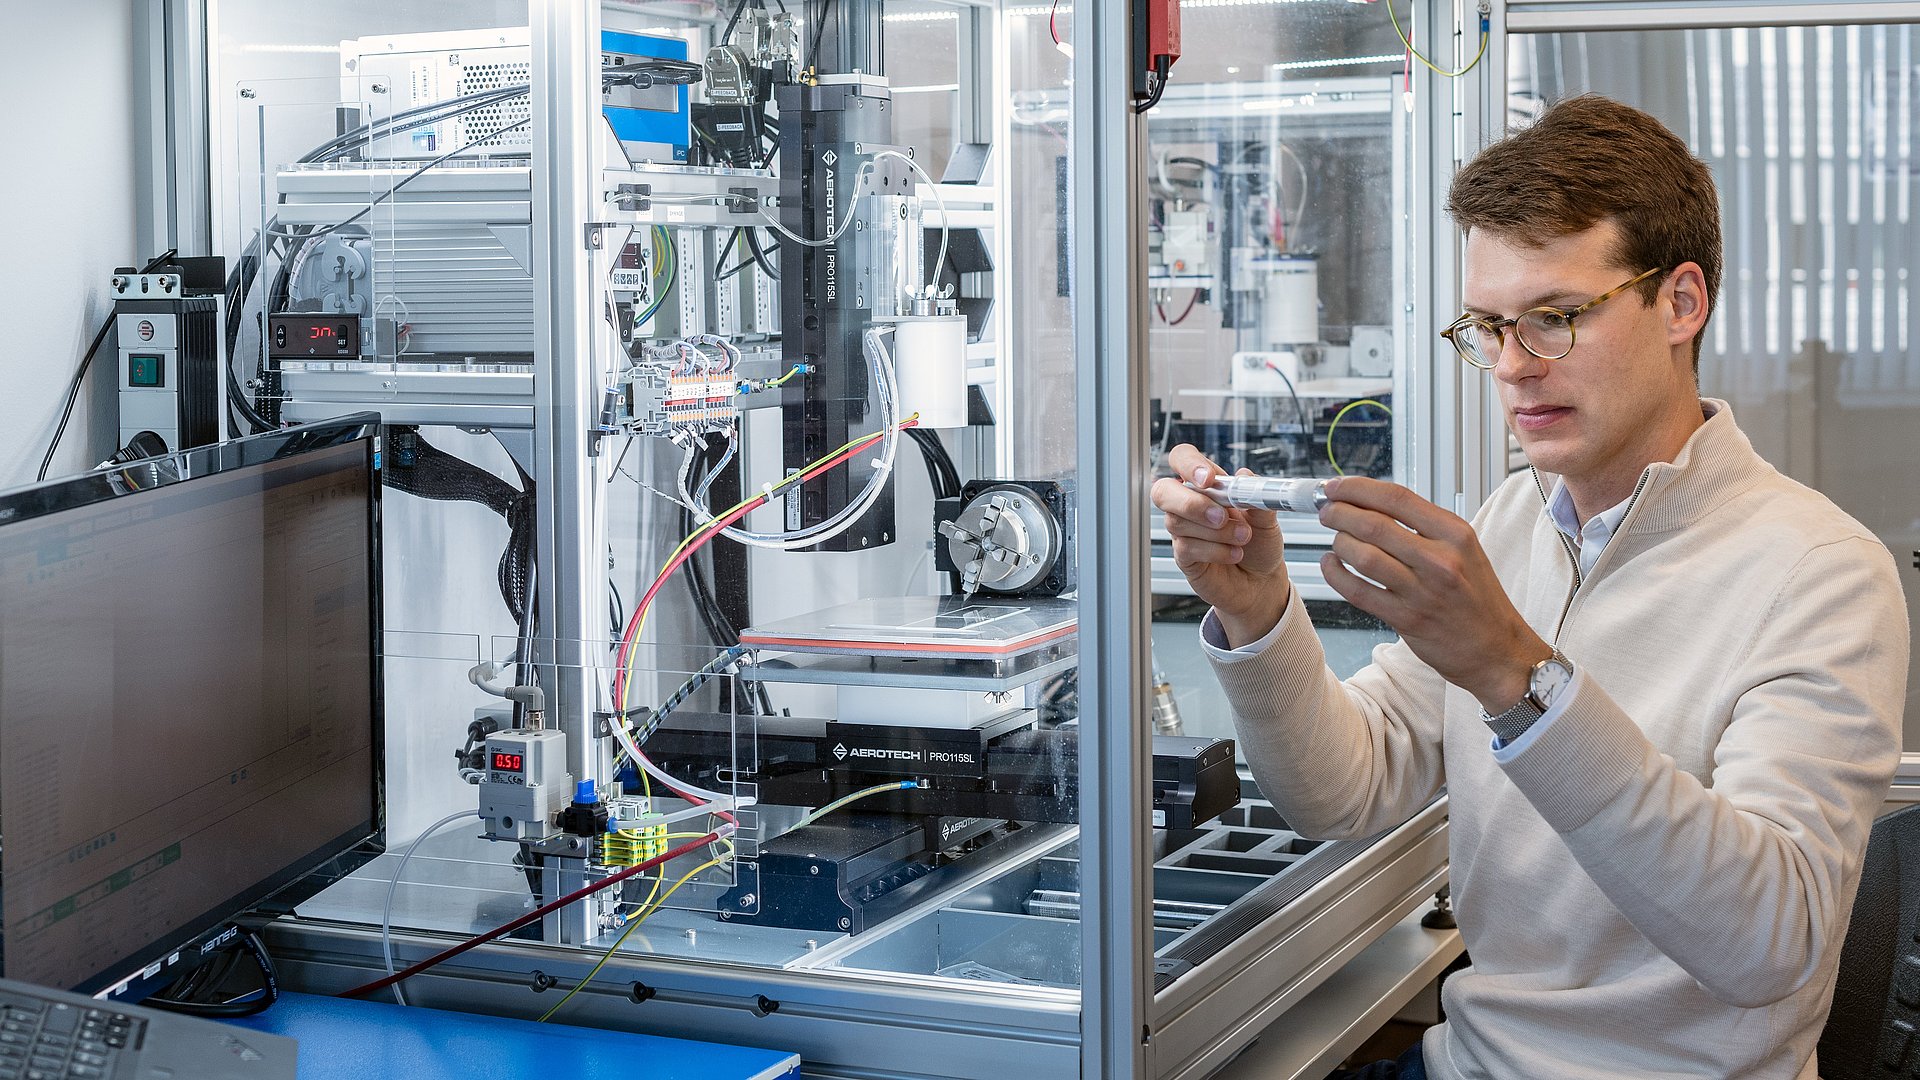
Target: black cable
(1207, 165)
(523, 669)
(404, 121)
(407, 179)
(934, 476)
(947, 466)
(945, 461)
(438, 475)
(705, 605)
(760, 254)
(1162, 67)
(1300, 410)
(713, 617)
(687, 689)
(726, 250)
(516, 562)
(819, 32)
(773, 147)
(738, 9)
(237, 402)
(248, 1004)
(247, 267)
(80, 373)
(619, 461)
(940, 469)
(73, 394)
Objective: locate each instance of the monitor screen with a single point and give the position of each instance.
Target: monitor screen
(189, 696)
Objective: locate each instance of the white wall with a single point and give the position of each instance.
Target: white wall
(66, 210)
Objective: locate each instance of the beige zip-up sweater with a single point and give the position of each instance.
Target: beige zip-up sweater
(1659, 885)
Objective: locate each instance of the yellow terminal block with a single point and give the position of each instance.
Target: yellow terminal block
(634, 838)
(631, 847)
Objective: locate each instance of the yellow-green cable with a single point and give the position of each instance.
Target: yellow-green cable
(1415, 53)
(791, 372)
(1350, 406)
(652, 906)
(901, 785)
(646, 786)
(631, 924)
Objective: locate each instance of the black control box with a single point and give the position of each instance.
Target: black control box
(313, 336)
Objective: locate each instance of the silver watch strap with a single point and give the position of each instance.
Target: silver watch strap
(1513, 723)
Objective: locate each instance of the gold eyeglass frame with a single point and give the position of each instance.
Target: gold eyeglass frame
(1499, 326)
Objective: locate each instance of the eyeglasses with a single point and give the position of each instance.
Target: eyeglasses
(1546, 332)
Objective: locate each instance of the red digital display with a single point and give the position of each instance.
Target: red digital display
(507, 762)
(294, 335)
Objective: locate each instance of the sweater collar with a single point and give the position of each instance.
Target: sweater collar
(1717, 463)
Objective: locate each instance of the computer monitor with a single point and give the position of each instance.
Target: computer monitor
(190, 696)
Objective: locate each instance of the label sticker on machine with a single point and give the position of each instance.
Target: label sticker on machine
(905, 751)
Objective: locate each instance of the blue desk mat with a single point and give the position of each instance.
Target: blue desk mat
(342, 1039)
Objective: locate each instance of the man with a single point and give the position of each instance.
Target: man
(1660, 681)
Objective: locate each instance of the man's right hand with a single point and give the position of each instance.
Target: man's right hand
(1233, 558)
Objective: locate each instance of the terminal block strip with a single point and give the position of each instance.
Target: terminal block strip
(685, 388)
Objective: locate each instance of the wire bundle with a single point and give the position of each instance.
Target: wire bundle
(882, 366)
(712, 527)
(438, 475)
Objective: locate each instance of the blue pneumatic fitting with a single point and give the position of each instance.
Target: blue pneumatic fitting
(588, 815)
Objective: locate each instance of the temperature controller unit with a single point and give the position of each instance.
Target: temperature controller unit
(310, 336)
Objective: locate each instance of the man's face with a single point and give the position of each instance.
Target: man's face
(1598, 414)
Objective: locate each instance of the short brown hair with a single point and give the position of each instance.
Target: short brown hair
(1589, 159)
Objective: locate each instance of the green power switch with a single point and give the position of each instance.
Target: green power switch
(146, 370)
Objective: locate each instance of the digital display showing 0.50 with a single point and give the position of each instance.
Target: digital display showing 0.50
(507, 762)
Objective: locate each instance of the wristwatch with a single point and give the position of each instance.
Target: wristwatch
(1545, 682)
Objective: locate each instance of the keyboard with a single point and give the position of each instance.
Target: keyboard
(54, 1035)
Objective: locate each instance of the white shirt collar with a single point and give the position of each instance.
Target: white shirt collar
(1591, 539)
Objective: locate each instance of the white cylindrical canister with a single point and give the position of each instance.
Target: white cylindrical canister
(1290, 307)
(930, 358)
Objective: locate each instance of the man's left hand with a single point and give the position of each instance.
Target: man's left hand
(1435, 587)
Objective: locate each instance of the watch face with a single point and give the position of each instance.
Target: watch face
(1550, 676)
